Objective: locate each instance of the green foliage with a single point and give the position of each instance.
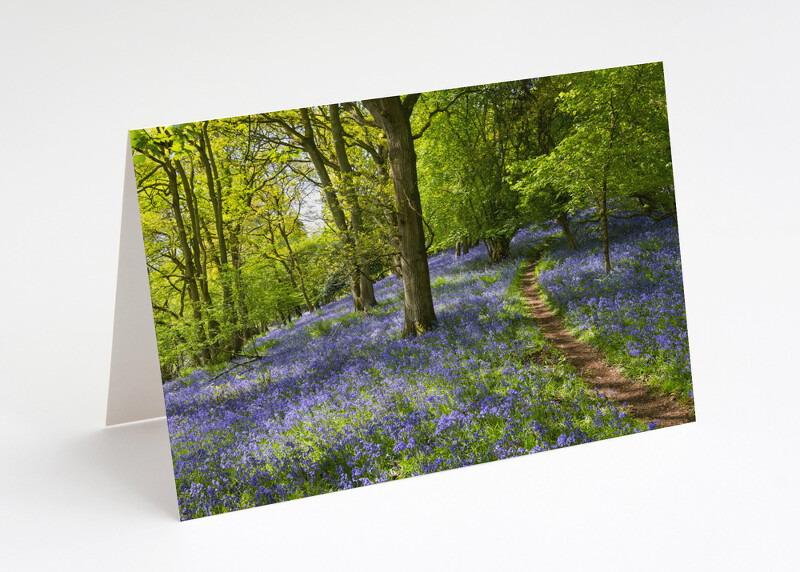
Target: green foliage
(619, 142)
(227, 250)
(465, 157)
(490, 278)
(545, 263)
(320, 328)
(226, 204)
(388, 306)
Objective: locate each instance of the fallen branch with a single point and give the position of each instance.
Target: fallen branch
(233, 367)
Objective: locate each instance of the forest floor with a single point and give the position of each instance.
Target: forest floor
(638, 399)
(339, 399)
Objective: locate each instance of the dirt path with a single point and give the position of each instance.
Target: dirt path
(642, 402)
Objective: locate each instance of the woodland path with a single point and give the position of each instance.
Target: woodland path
(642, 402)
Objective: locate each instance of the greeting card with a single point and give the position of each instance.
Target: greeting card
(359, 292)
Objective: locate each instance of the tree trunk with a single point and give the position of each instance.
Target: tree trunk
(367, 292)
(397, 265)
(243, 331)
(355, 290)
(497, 248)
(194, 238)
(215, 195)
(604, 188)
(563, 220)
(393, 115)
(295, 265)
(364, 288)
(203, 354)
(309, 143)
(604, 222)
(394, 241)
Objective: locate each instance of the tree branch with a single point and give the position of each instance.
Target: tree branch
(409, 102)
(440, 110)
(355, 114)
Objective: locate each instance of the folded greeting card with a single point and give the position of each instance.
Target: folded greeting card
(366, 291)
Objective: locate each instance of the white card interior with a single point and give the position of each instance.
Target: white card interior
(134, 389)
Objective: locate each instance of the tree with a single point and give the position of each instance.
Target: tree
(304, 129)
(363, 291)
(550, 124)
(224, 202)
(466, 163)
(393, 115)
(178, 256)
(220, 211)
(618, 146)
(277, 213)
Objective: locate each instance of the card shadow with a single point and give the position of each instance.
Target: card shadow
(135, 459)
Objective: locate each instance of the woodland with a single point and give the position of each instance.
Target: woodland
(342, 293)
(251, 221)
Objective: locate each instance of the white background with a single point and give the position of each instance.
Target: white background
(719, 494)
